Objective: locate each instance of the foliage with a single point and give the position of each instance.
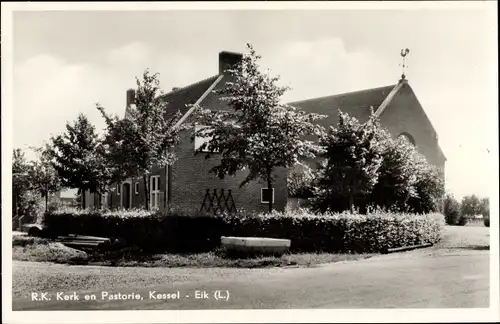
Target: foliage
(144, 138)
(470, 206)
(32, 206)
(344, 232)
(429, 190)
(484, 207)
(353, 156)
(463, 220)
(397, 175)
(451, 210)
(486, 221)
(148, 230)
(259, 134)
(340, 233)
(78, 157)
(485, 211)
(20, 180)
(26, 191)
(20, 168)
(365, 167)
(42, 176)
(300, 182)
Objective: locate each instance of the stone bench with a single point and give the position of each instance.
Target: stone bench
(255, 245)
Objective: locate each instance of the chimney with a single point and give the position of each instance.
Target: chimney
(130, 97)
(228, 60)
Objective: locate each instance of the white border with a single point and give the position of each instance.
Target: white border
(236, 316)
(262, 196)
(129, 182)
(151, 192)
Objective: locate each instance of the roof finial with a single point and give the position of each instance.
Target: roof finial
(404, 52)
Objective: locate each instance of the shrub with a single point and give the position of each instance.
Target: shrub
(339, 233)
(486, 221)
(451, 210)
(429, 190)
(345, 232)
(462, 220)
(147, 230)
(438, 218)
(300, 182)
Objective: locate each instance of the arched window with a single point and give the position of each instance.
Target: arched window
(407, 137)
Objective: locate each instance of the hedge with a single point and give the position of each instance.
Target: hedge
(147, 230)
(337, 233)
(344, 233)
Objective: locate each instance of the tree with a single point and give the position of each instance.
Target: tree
(470, 205)
(398, 174)
(429, 189)
(484, 207)
(42, 175)
(143, 139)
(300, 182)
(485, 211)
(79, 159)
(451, 210)
(20, 179)
(353, 156)
(259, 134)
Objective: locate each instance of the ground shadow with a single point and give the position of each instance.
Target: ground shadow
(475, 247)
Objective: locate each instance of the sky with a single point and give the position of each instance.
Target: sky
(64, 62)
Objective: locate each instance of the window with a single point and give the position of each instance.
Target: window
(266, 195)
(200, 140)
(154, 192)
(407, 137)
(104, 200)
(136, 188)
(118, 189)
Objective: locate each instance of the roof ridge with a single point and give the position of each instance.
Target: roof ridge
(342, 94)
(200, 99)
(387, 100)
(190, 85)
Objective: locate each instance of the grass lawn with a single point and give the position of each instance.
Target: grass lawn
(465, 237)
(25, 248)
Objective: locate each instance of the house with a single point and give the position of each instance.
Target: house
(67, 198)
(184, 185)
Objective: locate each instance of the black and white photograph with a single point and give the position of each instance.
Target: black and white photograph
(250, 162)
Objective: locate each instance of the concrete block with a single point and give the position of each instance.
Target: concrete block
(255, 245)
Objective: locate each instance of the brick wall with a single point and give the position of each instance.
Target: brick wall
(191, 179)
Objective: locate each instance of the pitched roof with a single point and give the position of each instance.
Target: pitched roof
(356, 103)
(178, 100)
